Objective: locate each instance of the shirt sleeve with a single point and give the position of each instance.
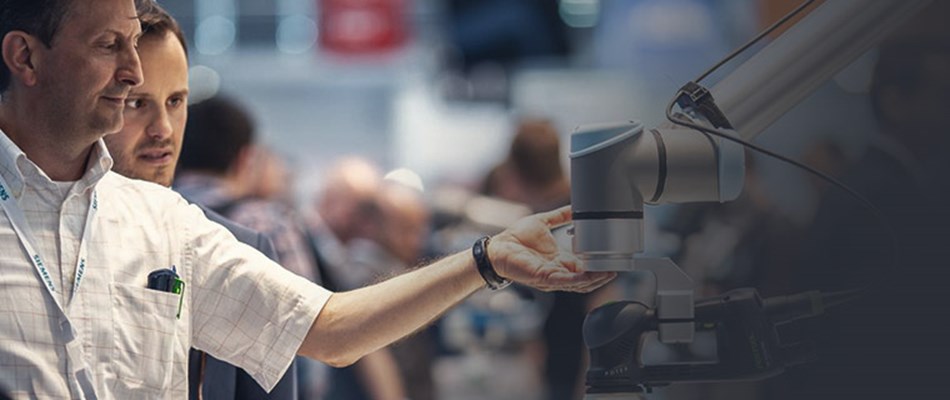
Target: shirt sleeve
(246, 309)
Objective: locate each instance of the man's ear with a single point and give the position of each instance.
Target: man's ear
(18, 55)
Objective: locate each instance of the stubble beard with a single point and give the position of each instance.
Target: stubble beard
(125, 165)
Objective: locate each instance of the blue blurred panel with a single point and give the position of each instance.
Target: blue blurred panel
(661, 39)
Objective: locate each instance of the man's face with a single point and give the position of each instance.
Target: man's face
(406, 234)
(86, 74)
(148, 145)
(405, 223)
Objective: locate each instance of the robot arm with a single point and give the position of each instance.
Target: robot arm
(618, 168)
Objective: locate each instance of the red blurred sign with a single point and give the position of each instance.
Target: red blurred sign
(362, 26)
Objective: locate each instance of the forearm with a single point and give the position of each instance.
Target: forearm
(358, 322)
(353, 324)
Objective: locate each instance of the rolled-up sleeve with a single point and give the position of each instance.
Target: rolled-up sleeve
(246, 309)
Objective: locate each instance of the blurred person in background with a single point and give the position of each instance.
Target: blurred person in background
(398, 236)
(344, 210)
(272, 178)
(402, 236)
(347, 212)
(147, 148)
(532, 174)
(405, 224)
(219, 170)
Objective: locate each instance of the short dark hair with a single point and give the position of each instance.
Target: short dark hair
(535, 152)
(40, 18)
(158, 22)
(216, 132)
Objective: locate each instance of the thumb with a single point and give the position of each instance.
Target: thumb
(556, 218)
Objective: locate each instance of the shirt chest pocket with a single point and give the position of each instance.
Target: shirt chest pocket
(145, 326)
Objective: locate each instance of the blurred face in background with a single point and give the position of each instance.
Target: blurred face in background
(405, 223)
(347, 203)
(149, 143)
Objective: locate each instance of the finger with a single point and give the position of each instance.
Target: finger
(570, 262)
(556, 218)
(591, 282)
(598, 282)
(572, 281)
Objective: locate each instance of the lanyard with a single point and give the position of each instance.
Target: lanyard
(25, 234)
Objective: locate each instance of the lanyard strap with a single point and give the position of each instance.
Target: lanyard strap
(74, 350)
(27, 240)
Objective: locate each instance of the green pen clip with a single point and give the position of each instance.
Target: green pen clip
(178, 287)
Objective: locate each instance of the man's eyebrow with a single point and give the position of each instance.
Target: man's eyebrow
(140, 95)
(119, 33)
(135, 33)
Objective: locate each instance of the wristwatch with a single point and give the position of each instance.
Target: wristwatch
(485, 269)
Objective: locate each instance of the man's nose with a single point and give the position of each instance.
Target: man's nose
(130, 68)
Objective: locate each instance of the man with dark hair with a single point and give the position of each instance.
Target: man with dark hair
(80, 317)
(41, 18)
(147, 148)
(212, 153)
(217, 164)
(532, 173)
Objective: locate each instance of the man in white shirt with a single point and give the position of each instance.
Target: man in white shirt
(77, 241)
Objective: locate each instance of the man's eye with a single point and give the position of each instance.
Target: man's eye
(134, 103)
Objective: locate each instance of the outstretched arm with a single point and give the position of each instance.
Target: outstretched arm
(358, 322)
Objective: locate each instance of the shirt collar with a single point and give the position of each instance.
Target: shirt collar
(9, 155)
(100, 162)
(17, 168)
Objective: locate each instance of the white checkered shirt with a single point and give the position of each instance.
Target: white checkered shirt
(237, 305)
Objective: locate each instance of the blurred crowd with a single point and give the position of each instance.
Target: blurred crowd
(363, 225)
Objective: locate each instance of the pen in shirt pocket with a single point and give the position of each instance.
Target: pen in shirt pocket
(167, 280)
